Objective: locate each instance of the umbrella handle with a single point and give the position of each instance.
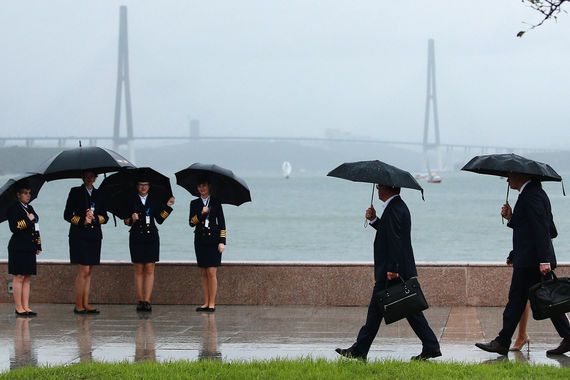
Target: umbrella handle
(506, 201)
(371, 204)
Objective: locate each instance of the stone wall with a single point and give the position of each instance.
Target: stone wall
(271, 283)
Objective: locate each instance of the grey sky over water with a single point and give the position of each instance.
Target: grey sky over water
(288, 68)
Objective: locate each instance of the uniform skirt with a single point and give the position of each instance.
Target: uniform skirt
(21, 262)
(85, 252)
(144, 248)
(207, 255)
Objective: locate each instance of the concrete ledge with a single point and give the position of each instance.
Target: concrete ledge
(272, 283)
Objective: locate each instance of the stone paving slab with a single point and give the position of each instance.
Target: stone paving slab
(57, 336)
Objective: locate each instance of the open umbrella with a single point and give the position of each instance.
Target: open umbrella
(119, 188)
(8, 191)
(72, 163)
(376, 172)
(504, 164)
(226, 186)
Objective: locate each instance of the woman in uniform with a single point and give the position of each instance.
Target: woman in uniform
(144, 243)
(86, 213)
(23, 247)
(207, 217)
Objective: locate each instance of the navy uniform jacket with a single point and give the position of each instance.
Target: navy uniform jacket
(24, 235)
(216, 231)
(158, 212)
(78, 201)
(392, 244)
(533, 228)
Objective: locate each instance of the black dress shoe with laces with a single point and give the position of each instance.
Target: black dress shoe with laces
(350, 353)
(493, 346)
(425, 355)
(562, 349)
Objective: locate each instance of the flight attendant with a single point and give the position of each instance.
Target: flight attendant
(86, 213)
(207, 218)
(24, 246)
(144, 242)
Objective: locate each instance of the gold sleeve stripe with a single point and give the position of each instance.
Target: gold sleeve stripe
(194, 220)
(101, 219)
(21, 224)
(223, 233)
(164, 214)
(75, 219)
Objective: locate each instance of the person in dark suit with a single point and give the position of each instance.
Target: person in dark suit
(24, 246)
(393, 258)
(85, 212)
(144, 242)
(207, 218)
(533, 256)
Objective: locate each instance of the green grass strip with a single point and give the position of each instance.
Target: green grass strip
(291, 369)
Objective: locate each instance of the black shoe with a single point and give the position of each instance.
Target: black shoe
(147, 306)
(22, 314)
(493, 346)
(92, 311)
(350, 353)
(210, 309)
(141, 306)
(77, 311)
(563, 348)
(202, 308)
(425, 355)
(31, 313)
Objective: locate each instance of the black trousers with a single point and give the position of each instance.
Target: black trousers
(522, 280)
(375, 314)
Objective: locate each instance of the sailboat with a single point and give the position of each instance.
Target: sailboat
(286, 169)
(432, 177)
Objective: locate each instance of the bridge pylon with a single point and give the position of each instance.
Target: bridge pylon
(431, 106)
(123, 81)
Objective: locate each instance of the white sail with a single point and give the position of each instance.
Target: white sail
(286, 169)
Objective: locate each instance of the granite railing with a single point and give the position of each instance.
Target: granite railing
(271, 283)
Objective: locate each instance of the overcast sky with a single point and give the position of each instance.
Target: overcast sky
(283, 68)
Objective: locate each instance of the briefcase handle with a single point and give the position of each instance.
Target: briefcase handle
(544, 278)
(406, 289)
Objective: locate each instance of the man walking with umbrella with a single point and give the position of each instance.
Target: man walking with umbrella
(393, 254)
(533, 229)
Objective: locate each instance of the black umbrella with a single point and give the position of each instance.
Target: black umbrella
(8, 191)
(119, 189)
(376, 172)
(72, 163)
(225, 185)
(504, 164)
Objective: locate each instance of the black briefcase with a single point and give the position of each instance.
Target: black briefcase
(549, 298)
(402, 300)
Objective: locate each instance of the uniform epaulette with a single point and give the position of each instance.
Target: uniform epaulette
(21, 224)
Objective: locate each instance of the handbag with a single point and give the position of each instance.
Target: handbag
(402, 300)
(550, 297)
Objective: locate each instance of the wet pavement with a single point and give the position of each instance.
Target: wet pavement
(57, 336)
